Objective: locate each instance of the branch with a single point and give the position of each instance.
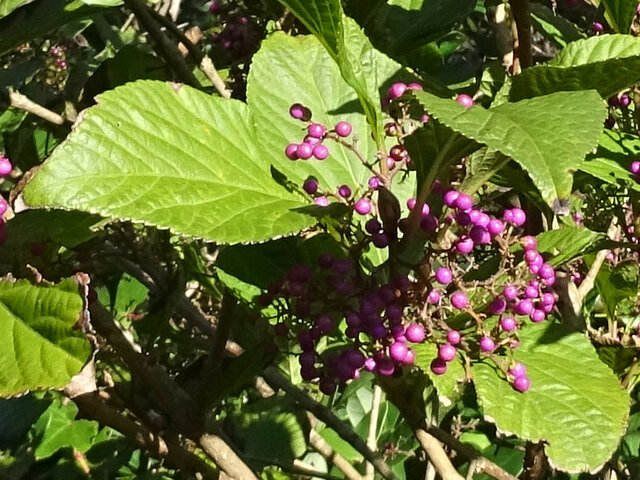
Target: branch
(22, 102)
(324, 449)
(165, 48)
(522, 17)
(204, 62)
(437, 456)
(273, 376)
(373, 426)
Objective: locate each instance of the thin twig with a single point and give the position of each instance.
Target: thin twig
(22, 102)
(437, 456)
(273, 376)
(521, 13)
(590, 279)
(323, 448)
(373, 428)
(165, 48)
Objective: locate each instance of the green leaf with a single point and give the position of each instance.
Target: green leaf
(575, 403)
(8, 6)
(41, 348)
(620, 13)
(616, 283)
(584, 65)
(554, 27)
(174, 158)
(17, 415)
(41, 17)
(397, 26)
(568, 243)
(548, 146)
(611, 161)
(57, 428)
(448, 385)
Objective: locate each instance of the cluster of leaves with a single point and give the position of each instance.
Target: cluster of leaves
(181, 206)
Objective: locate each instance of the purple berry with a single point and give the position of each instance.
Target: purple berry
(548, 299)
(370, 364)
(453, 337)
(625, 100)
(316, 130)
(465, 100)
(313, 141)
(443, 276)
(362, 206)
(372, 226)
(374, 183)
(450, 198)
(304, 151)
(325, 323)
(5, 166)
(529, 243)
(410, 357)
(487, 344)
(538, 316)
(447, 352)
(299, 112)
(429, 223)
(398, 153)
(415, 86)
(396, 90)
(385, 366)
(495, 227)
(343, 129)
(523, 307)
(597, 28)
(531, 292)
(380, 240)
(438, 366)
(498, 306)
(518, 370)
(464, 245)
(518, 217)
(320, 152)
(434, 297)
(415, 333)
(4, 206)
(398, 351)
(310, 186)
(321, 201)
(480, 235)
(307, 359)
(391, 129)
(463, 202)
(482, 220)
(354, 358)
(464, 218)
(344, 191)
(459, 300)
(635, 167)
(327, 386)
(533, 258)
(508, 324)
(510, 292)
(546, 271)
(291, 151)
(521, 383)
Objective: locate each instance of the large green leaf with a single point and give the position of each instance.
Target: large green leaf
(575, 403)
(40, 347)
(550, 147)
(568, 243)
(555, 27)
(400, 25)
(175, 158)
(620, 13)
(584, 65)
(611, 161)
(8, 6)
(448, 385)
(41, 17)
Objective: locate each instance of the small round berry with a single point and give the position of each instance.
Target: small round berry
(597, 28)
(487, 344)
(434, 297)
(300, 112)
(529, 242)
(372, 226)
(313, 141)
(546, 271)
(344, 191)
(307, 359)
(464, 246)
(531, 292)
(4, 206)
(464, 202)
(532, 257)
(374, 183)
(508, 324)
(495, 227)
(521, 383)
(635, 167)
(415, 333)
(538, 316)
(518, 370)
(465, 100)
(392, 129)
(447, 352)
(343, 129)
(497, 306)
(480, 235)
(5, 166)
(320, 152)
(548, 299)
(438, 366)
(464, 218)
(398, 351)
(362, 206)
(354, 358)
(369, 364)
(450, 198)
(321, 201)
(519, 217)
(396, 90)
(327, 386)
(625, 100)
(424, 118)
(454, 337)
(459, 300)
(415, 86)
(443, 276)
(310, 186)
(410, 357)
(385, 366)
(316, 130)
(523, 307)
(429, 223)
(291, 151)
(304, 151)
(398, 153)
(481, 220)
(510, 292)
(325, 323)
(380, 240)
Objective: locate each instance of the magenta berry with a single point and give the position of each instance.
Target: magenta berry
(304, 151)
(538, 316)
(415, 333)
(447, 352)
(300, 112)
(597, 28)
(415, 86)
(438, 366)
(313, 141)
(398, 351)
(434, 297)
(480, 235)
(463, 202)
(343, 129)
(320, 152)
(508, 324)
(374, 183)
(291, 151)
(453, 337)
(316, 130)
(487, 344)
(523, 307)
(310, 186)
(450, 198)
(398, 153)
(518, 370)
(396, 90)
(443, 276)
(5, 166)
(495, 227)
(529, 242)
(521, 383)
(459, 300)
(344, 191)
(465, 100)
(546, 271)
(4, 206)
(410, 357)
(321, 201)
(635, 167)
(510, 292)
(498, 306)
(531, 292)
(624, 100)
(362, 206)
(464, 246)
(516, 216)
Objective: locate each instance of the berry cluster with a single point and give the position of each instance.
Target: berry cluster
(59, 55)
(5, 169)
(239, 34)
